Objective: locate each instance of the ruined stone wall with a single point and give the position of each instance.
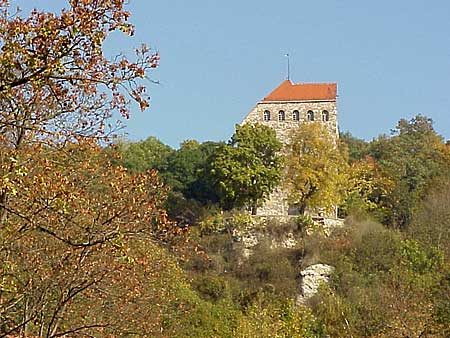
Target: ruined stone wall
(277, 203)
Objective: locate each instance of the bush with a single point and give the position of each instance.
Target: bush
(272, 268)
(297, 226)
(196, 318)
(267, 317)
(416, 258)
(431, 221)
(211, 288)
(383, 286)
(212, 223)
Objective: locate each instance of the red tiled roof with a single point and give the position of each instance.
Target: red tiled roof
(289, 91)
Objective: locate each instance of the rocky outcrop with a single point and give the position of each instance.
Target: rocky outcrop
(256, 231)
(311, 279)
(326, 225)
(250, 238)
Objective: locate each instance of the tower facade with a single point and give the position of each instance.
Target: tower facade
(286, 108)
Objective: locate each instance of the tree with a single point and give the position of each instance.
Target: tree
(357, 148)
(186, 167)
(384, 285)
(247, 170)
(315, 168)
(200, 187)
(78, 236)
(367, 188)
(431, 219)
(183, 170)
(145, 155)
(192, 193)
(55, 79)
(70, 238)
(412, 157)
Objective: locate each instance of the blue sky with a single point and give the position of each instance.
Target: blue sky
(391, 60)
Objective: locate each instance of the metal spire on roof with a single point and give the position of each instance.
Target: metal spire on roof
(288, 67)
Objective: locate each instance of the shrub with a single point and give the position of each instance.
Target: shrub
(267, 317)
(416, 258)
(270, 267)
(211, 287)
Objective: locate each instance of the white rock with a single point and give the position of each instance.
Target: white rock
(312, 277)
(287, 241)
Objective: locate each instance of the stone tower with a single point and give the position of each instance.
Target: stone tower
(284, 109)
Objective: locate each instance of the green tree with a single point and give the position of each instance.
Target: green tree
(357, 148)
(186, 167)
(412, 157)
(315, 168)
(144, 155)
(384, 285)
(182, 170)
(191, 192)
(247, 170)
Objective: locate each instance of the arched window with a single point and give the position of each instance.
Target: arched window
(295, 115)
(281, 115)
(325, 116)
(310, 115)
(266, 115)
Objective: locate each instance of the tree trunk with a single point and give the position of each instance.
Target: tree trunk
(254, 209)
(302, 208)
(3, 211)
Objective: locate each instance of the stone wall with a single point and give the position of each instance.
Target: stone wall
(284, 128)
(277, 203)
(257, 230)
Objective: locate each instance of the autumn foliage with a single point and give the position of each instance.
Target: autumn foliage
(56, 82)
(315, 169)
(87, 248)
(78, 236)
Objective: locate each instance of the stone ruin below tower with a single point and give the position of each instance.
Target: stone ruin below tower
(286, 108)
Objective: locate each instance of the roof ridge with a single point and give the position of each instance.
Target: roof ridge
(312, 83)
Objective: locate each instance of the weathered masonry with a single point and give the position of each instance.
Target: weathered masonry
(284, 109)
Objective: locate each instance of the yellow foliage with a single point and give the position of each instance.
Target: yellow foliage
(315, 168)
(369, 182)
